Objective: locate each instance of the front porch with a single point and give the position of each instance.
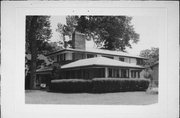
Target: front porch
(100, 72)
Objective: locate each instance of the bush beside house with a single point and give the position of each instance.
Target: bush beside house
(99, 85)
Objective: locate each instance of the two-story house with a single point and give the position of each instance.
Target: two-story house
(81, 63)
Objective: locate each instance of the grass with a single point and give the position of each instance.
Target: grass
(120, 98)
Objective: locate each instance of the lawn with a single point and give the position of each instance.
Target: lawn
(119, 98)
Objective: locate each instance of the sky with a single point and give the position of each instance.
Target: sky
(148, 27)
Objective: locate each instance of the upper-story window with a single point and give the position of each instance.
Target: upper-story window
(121, 59)
(108, 56)
(139, 61)
(61, 57)
(90, 55)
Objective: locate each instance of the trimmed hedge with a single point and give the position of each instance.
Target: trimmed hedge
(117, 85)
(70, 85)
(99, 85)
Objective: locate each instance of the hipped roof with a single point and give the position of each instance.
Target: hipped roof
(99, 61)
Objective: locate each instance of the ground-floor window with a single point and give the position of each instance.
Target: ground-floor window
(110, 72)
(124, 73)
(117, 72)
(87, 73)
(135, 73)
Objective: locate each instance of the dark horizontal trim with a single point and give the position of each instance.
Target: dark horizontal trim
(74, 50)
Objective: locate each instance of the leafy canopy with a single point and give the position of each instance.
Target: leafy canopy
(38, 28)
(152, 55)
(108, 32)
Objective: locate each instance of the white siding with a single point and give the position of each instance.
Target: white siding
(98, 55)
(133, 60)
(126, 59)
(68, 56)
(116, 58)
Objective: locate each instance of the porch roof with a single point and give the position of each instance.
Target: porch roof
(99, 61)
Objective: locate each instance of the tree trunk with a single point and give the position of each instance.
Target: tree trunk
(33, 50)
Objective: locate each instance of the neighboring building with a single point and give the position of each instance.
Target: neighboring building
(155, 75)
(79, 62)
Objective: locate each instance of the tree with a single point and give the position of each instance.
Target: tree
(152, 55)
(108, 32)
(67, 30)
(37, 34)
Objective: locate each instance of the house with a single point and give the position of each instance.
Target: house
(79, 62)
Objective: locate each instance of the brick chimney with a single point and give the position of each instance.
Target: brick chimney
(78, 41)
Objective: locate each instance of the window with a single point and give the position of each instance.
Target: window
(139, 62)
(117, 72)
(135, 74)
(108, 57)
(121, 59)
(123, 73)
(90, 55)
(110, 72)
(64, 56)
(113, 72)
(61, 57)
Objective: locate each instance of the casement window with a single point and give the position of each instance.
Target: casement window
(121, 59)
(113, 72)
(139, 61)
(110, 72)
(123, 73)
(90, 55)
(135, 74)
(116, 72)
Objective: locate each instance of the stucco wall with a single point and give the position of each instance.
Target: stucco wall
(68, 56)
(133, 60)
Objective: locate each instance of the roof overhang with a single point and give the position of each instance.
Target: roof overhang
(98, 51)
(100, 61)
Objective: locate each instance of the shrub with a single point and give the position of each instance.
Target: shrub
(119, 84)
(99, 85)
(70, 85)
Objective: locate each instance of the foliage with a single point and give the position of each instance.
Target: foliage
(152, 55)
(70, 85)
(41, 31)
(37, 34)
(99, 85)
(55, 46)
(109, 32)
(117, 85)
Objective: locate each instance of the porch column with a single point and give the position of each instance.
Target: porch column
(106, 72)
